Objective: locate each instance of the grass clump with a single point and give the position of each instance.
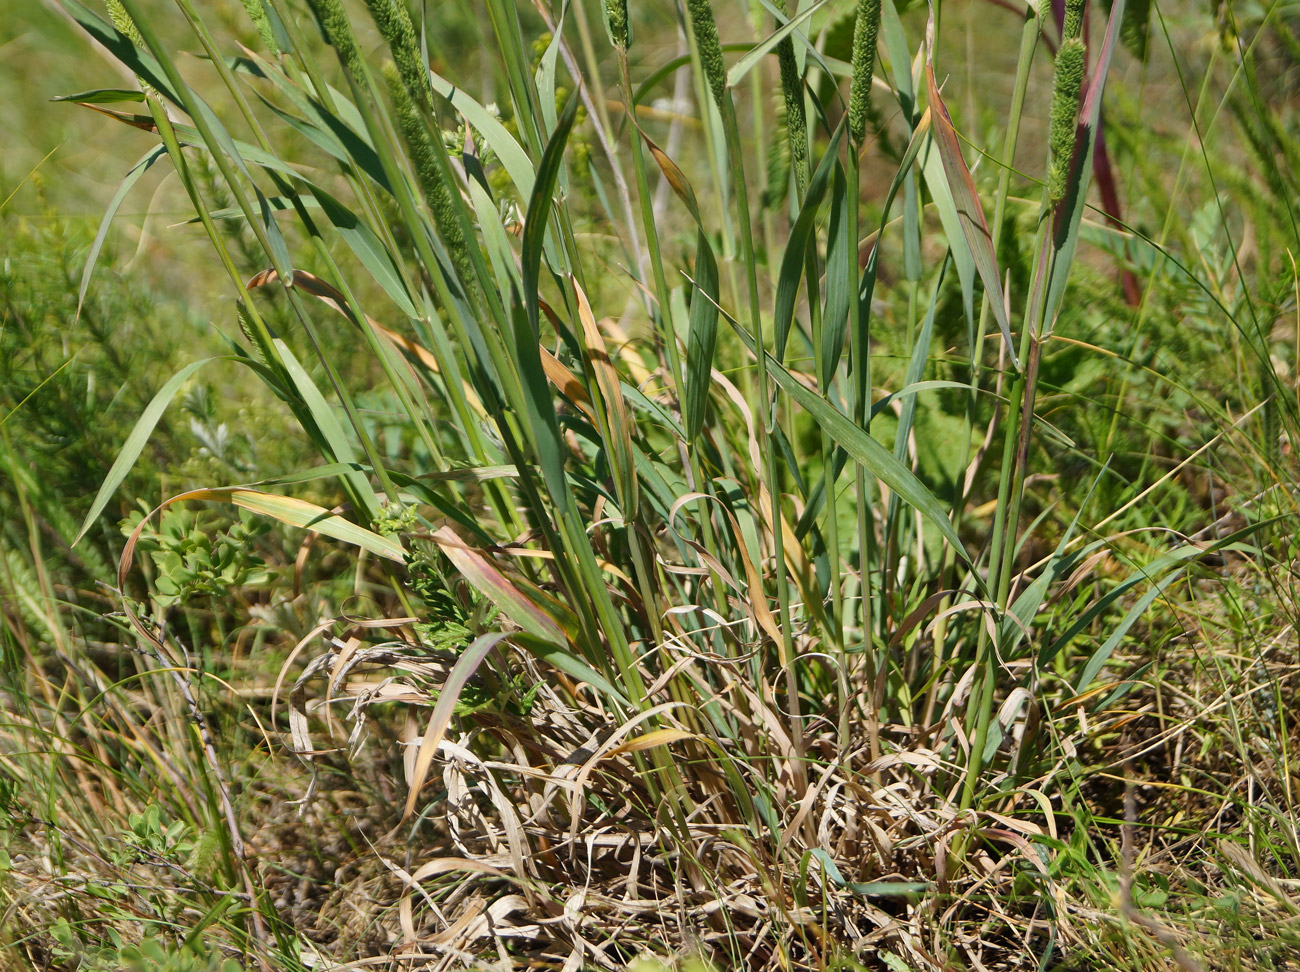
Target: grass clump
(607, 575)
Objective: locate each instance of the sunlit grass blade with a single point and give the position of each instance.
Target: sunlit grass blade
(965, 197)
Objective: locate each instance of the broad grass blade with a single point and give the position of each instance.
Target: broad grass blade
(841, 275)
(702, 337)
(503, 144)
(487, 578)
(792, 260)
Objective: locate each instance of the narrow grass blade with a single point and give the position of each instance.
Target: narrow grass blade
(702, 332)
(339, 141)
(372, 253)
(900, 58)
(966, 199)
(131, 178)
(539, 207)
(104, 96)
(558, 657)
(327, 425)
(767, 44)
(916, 368)
(135, 442)
(539, 407)
(140, 62)
(1175, 559)
(614, 418)
(860, 446)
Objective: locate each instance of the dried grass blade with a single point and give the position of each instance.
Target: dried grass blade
(614, 422)
(484, 575)
(443, 711)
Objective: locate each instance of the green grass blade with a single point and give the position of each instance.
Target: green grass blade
(792, 260)
(368, 248)
(114, 204)
(765, 46)
(841, 276)
(539, 207)
(859, 445)
(135, 442)
(965, 197)
(327, 424)
(702, 337)
(104, 96)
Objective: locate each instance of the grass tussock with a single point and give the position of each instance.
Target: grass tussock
(552, 550)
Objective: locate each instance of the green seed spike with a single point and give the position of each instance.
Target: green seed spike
(421, 147)
(616, 24)
(778, 167)
(338, 32)
(250, 333)
(1073, 18)
(865, 32)
(796, 123)
(394, 23)
(706, 39)
(257, 14)
(1066, 89)
(123, 22)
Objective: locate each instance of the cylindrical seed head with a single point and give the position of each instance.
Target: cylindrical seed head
(1066, 89)
(865, 32)
(123, 22)
(394, 23)
(257, 14)
(1073, 18)
(338, 32)
(616, 23)
(706, 39)
(431, 174)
